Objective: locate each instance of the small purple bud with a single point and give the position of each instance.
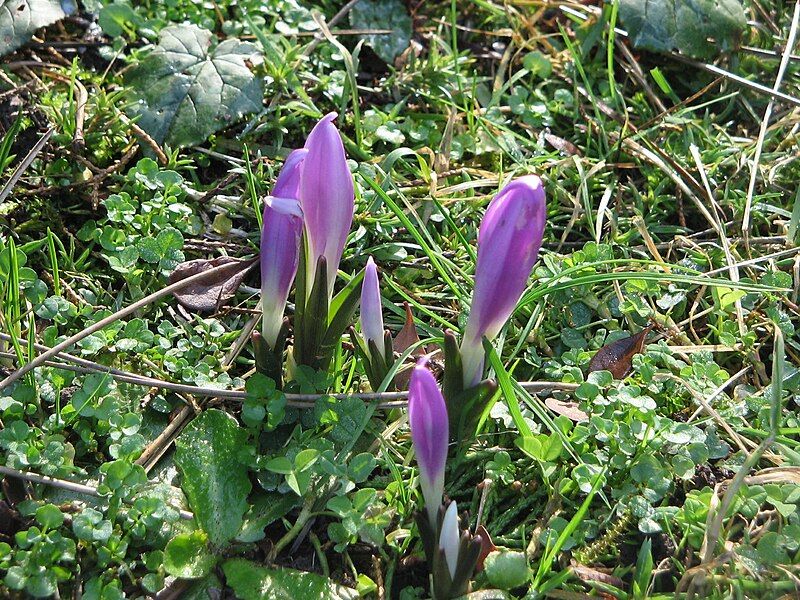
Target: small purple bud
(327, 198)
(509, 239)
(371, 310)
(449, 538)
(281, 234)
(427, 416)
(288, 183)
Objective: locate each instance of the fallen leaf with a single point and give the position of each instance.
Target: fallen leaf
(562, 145)
(487, 546)
(207, 295)
(585, 574)
(566, 409)
(617, 357)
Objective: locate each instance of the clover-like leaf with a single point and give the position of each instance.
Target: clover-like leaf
(698, 28)
(187, 88)
(19, 19)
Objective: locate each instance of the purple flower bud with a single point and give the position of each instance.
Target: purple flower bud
(509, 239)
(427, 416)
(281, 234)
(371, 310)
(327, 198)
(449, 538)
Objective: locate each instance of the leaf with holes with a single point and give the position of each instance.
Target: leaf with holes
(214, 480)
(698, 28)
(19, 19)
(187, 88)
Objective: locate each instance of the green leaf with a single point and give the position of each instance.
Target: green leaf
(42, 584)
(383, 14)
(113, 18)
(214, 480)
(187, 556)
(19, 19)
(89, 525)
(253, 582)
(188, 89)
(266, 509)
(698, 28)
(49, 517)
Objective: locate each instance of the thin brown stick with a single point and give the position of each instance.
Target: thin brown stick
(124, 312)
(26, 162)
(71, 486)
(765, 124)
(389, 400)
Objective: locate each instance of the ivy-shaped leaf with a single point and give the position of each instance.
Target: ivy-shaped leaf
(188, 89)
(214, 480)
(19, 19)
(383, 14)
(698, 28)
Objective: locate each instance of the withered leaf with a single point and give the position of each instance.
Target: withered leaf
(404, 339)
(585, 574)
(562, 145)
(208, 294)
(408, 336)
(487, 547)
(566, 409)
(617, 357)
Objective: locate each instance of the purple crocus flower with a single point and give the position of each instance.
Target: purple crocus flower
(427, 415)
(371, 311)
(327, 198)
(281, 233)
(509, 239)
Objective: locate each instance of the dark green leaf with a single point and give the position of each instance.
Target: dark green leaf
(187, 556)
(189, 89)
(383, 14)
(253, 582)
(698, 28)
(19, 19)
(214, 480)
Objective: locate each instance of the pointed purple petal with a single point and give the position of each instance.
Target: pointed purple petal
(509, 240)
(327, 197)
(427, 415)
(371, 310)
(281, 233)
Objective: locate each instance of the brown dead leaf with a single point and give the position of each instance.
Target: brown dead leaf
(562, 145)
(407, 336)
(585, 574)
(404, 339)
(566, 409)
(207, 295)
(617, 357)
(487, 546)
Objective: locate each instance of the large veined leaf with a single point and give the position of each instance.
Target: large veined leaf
(188, 88)
(383, 14)
(698, 28)
(253, 582)
(215, 482)
(19, 19)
